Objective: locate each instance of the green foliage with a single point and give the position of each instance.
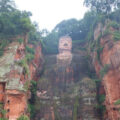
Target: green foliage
(29, 57)
(77, 30)
(92, 46)
(30, 50)
(117, 102)
(57, 115)
(1, 52)
(3, 44)
(7, 6)
(34, 37)
(106, 32)
(31, 110)
(30, 54)
(3, 119)
(116, 35)
(20, 40)
(102, 6)
(101, 98)
(24, 64)
(114, 16)
(96, 46)
(31, 107)
(26, 25)
(50, 43)
(114, 24)
(26, 85)
(33, 90)
(23, 117)
(104, 70)
(1, 105)
(96, 80)
(75, 109)
(14, 22)
(101, 108)
(3, 112)
(99, 51)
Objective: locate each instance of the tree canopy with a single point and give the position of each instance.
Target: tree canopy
(6, 6)
(76, 29)
(14, 22)
(103, 6)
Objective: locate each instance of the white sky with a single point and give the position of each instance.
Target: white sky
(48, 13)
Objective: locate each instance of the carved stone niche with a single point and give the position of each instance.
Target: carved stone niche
(65, 44)
(65, 47)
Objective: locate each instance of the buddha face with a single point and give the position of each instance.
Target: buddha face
(65, 43)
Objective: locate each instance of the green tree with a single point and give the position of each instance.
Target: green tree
(7, 6)
(102, 6)
(77, 29)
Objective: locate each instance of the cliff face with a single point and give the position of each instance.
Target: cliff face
(65, 91)
(15, 80)
(107, 68)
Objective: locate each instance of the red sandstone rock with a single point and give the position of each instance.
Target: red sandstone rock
(111, 80)
(15, 104)
(14, 99)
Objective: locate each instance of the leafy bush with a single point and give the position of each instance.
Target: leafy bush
(101, 108)
(23, 117)
(24, 64)
(26, 85)
(34, 37)
(106, 32)
(1, 52)
(3, 112)
(30, 50)
(114, 24)
(3, 119)
(29, 57)
(13, 23)
(92, 46)
(104, 70)
(20, 40)
(101, 98)
(3, 44)
(116, 35)
(31, 107)
(33, 90)
(31, 110)
(99, 51)
(117, 102)
(30, 54)
(75, 109)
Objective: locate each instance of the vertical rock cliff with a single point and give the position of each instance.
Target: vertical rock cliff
(107, 61)
(15, 76)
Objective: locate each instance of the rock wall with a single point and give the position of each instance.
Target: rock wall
(108, 64)
(14, 79)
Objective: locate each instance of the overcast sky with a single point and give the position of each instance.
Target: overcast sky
(48, 13)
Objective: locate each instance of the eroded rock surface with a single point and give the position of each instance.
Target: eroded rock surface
(15, 80)
(109, 57)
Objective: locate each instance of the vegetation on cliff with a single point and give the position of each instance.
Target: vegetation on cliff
(16, 26)
(15, 23)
